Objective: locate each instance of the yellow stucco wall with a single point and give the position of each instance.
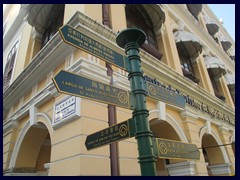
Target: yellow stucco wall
(69, 155)
(118, 12)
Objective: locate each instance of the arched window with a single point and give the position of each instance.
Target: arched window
(137, 17)
(189, 47)
(187, 68)
(8, 71)
(215, 85)
(54, 23)
(215, 68)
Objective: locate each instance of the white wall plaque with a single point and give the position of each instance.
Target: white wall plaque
(66, 110)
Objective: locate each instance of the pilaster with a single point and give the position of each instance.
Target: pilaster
(226, 92)
(203, 73)
(225, 135)
(168, 40)
(191, 131)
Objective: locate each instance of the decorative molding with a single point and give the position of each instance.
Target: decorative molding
(232, 137)
(154, 115)
(95, 71)
(220, 169)
(182, 169)
(204, 130)
(188, 114)
(49, 121)
(68, 61)
(87, 68)
(223, 128)
(153, 68)
(48, 92)
(49, 77)
(208, 126)
(47, 167)
(82, 66)
(56, 46)
(177, 128)
(161, 110)
(10, 124)
(121, 81)
(34, 90)
(32, 115)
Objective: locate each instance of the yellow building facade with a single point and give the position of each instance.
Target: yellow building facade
(187, 52)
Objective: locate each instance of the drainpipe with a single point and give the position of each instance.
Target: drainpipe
(112, 119)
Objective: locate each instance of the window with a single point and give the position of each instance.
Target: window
(9, 66)
(215, 85)
(186, 66)
(138, 17)
(54, 23)
(188, 70)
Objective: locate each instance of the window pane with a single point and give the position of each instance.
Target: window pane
(138, 17)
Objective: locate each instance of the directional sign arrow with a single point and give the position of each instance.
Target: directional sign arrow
(77, 85)
(90, 43)
(120, 131)
(170, 149)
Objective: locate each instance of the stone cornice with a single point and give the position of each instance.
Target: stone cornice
(53, 54)
(188, 114)
(81, 66)
(8, 125)
(166, 75)
(41, 64)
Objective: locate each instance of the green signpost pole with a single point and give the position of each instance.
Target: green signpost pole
(130, 39)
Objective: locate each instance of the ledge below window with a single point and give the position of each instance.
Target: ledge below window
(219, 96)
(154, 52)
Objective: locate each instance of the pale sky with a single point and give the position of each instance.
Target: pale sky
(226, 12)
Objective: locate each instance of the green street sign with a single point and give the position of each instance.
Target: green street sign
(162, 94)
(169, 149)
(111, 134)
(77, 85)
(92, 44)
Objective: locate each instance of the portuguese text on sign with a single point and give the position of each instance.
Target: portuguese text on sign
(90, 45)
(170, 149)
(162, 94)
(81, 86)
(111, 134)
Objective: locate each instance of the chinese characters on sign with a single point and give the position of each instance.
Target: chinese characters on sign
(81, 86)
(77, 85)
(162, 94)
(177, 150)
(82, 41)
(65, 109)
(109, 135)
